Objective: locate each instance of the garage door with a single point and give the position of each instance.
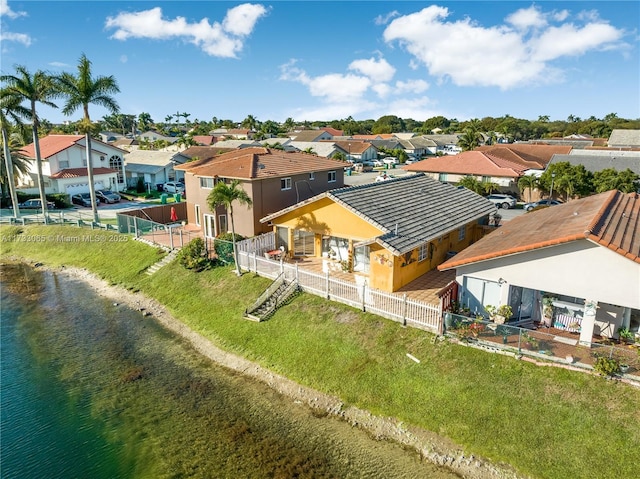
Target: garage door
(83, 188)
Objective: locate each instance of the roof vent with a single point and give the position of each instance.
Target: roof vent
(261, 166)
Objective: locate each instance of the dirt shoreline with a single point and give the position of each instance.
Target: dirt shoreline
(430, 446)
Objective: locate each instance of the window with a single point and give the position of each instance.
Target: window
(197, 213)
(285, 184)
(312, 176)
(206, 183)
(442, 177)
(115, 163)
(486, 179)
(331, 177)
(462, 231)
(64, 164)
(422, 252)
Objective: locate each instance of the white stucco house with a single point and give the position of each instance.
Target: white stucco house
(584, 256)
(154, 167)
(64, 165)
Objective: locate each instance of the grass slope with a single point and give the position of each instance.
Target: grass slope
(546, 422)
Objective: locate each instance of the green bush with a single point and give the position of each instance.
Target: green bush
(194, 255)
(140, 185)
(606, 366)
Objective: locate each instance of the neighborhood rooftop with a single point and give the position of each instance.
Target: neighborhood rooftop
(611, 219)
(259, 162)
(411, 210)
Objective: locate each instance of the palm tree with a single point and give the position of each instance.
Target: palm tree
(469, 139)
(528, 182)
(471, 183)
(250, 123)
(14, 163)
(144, 121)
(11, 110)
(224, 194)
(37, 88)
(81, 90)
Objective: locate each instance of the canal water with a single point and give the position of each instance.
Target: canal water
(93, 389)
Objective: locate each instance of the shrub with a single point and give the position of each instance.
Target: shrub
(606, 366)
(140, 185)
(194, 255)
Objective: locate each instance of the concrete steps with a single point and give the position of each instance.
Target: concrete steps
(163, 262)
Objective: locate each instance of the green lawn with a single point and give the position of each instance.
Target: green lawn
(545, 422)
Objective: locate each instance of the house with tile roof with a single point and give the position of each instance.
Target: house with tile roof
(584, 256)
(311, 135)
(500, 164)
(445, 144)
(598, 160)
(387, 233)
(624, 139)
(357, 151)
(204, 140)
(154, 167)
(64, 165)
(273, 179)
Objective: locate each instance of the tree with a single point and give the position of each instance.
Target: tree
(144, 121)
(469, 139)
(611, 179)
(37, 88)
(17, 164)
(289, 124)
(80, 91)
(489, 187)
(250, 123)
(528, 182)
(224, 194)
(11, 110)
(471, 183)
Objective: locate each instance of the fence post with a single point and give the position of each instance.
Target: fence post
(326, 283)
(364, 292)
(404, 309)
(135, 226)
(180, 235)
(519, 340)
(297, 278)
(170, 237)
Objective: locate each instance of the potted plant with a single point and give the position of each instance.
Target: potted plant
(499, 314)
(547, 309)
(529, 342)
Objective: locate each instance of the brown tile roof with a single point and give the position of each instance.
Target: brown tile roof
(80, 172)
(610, 219)
(52, 144)
(539, 154)
(259, 163)
(468, 163)
(332, 131)
(204, 139)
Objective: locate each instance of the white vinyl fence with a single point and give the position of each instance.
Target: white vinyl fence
(392, 306)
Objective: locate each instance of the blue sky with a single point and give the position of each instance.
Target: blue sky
(321, 60)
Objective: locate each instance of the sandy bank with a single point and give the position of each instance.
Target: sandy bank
(432, 447)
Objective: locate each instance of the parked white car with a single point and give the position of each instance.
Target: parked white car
(503, 201)
(390, 160)
(173, 187)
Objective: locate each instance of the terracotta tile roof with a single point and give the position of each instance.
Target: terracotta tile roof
(80, 172)
(332, 131)
(610, 219)
(356, 146)
(539, 154)
(52, 144)
(467, 163)
(204, 139)
(259, 163)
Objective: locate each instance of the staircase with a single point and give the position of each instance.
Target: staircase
(164, 261)
(276, 295)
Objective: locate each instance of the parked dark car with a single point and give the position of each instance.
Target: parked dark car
(83, 199)
(107, 196)
(36, 204)
(530, 206)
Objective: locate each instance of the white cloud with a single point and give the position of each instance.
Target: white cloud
(16, 37)
(411, 86)
(5, 11)
(216, 39)
(383, 20)
(124, 58)
(526, 18)
(376, 70)
(59, 64)
(514, 54)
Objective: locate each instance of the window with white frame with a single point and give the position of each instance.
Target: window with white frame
(331, 177)
(285, 184)
(63, 164)
(422, 251)
(462, 231)
(312, 176)
(206, 183)
(442, 177)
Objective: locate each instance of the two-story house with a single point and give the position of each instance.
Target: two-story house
(64, 165)
(273, 179)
